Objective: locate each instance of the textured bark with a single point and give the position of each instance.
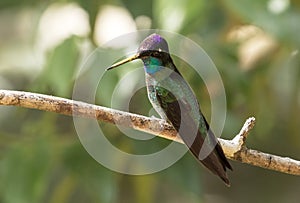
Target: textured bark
(234, 149)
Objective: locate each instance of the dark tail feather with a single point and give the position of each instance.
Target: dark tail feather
(222, 156)
(218, 147)
(216, 166)
(216, 161)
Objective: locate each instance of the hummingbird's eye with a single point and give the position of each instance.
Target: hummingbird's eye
(155, 54)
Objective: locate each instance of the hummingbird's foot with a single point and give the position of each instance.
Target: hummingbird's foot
(160, 125)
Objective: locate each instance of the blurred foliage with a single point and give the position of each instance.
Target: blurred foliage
(255, 46)
(59, 72)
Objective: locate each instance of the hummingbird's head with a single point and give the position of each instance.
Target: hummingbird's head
(154, 42)
(153, 51)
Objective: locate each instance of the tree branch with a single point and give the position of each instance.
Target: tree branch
(234, 149)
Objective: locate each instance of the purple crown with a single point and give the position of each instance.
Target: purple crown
(154, 42)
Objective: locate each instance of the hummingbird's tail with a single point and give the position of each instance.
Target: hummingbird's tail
(205, 147)
(215, 161)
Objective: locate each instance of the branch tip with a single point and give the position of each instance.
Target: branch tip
(248, 125)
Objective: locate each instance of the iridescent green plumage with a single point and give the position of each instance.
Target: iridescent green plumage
(174, 100)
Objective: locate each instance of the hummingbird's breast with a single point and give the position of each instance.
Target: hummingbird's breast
(152, 86)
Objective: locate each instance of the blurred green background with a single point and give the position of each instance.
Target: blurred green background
(254, 44)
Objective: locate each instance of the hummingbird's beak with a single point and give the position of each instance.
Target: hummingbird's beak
(131, 58)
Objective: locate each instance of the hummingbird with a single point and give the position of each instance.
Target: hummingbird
(175, 101)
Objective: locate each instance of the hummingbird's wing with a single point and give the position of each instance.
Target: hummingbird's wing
(179, 113)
